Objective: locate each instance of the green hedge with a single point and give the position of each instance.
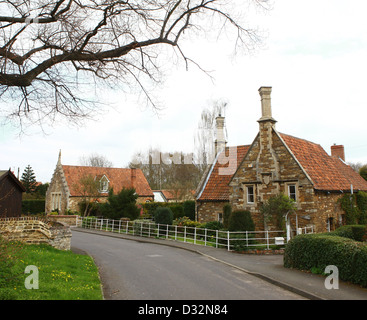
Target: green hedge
(163, 216)
(186, 208)
(241, 220)
(33, 206)
(320, 250)
(354, 232)
(355, 207)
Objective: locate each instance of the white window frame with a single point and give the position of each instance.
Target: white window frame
(55, 201)
(104, 184)
(295, 193)
(250, 194)
(220, 217)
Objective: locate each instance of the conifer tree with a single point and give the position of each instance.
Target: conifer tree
(29, 179)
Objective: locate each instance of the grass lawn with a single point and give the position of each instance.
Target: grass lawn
(62, 275)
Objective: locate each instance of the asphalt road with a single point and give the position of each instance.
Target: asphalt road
(132, 270)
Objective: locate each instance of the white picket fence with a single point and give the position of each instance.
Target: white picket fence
(199, 236)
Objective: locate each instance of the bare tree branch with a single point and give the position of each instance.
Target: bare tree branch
(47, 47)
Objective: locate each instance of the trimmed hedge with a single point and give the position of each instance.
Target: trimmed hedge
(320, 250)
(33, 206)
(354, 232)
(179, 209)
(241, 220)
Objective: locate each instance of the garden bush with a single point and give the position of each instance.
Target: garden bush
(189, 209)
(276, 208)
(121, 205)
(241, 220)
(33, 206)
(163, 216)
(354, 232)
(150, 207)
(317, 251)
(185, 221)
(361, 201)
(213, 225)
(177, 210)
(227, 211)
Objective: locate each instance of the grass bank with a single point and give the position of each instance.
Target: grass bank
(62, 275)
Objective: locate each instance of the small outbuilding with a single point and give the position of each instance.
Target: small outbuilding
(11, 190)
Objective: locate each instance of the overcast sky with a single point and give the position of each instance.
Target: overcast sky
(313, 56)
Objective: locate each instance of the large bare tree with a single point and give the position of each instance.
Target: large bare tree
(205, 135)
(95, 160)
(51, 51)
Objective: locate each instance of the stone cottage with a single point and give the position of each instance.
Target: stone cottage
(279, 163)
(66, 188)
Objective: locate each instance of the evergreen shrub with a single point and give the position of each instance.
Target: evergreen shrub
(163, 216)
(241, 220)
(33, 206)
(316, 251)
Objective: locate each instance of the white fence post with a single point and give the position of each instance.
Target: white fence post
(267, 239)
(205, 236)
(195, 235)
(216, 238)
(228, 244)
(185, 234)
(176, 232)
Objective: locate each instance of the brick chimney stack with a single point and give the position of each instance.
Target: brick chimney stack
(337, 151)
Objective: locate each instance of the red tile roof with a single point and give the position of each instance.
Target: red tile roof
(216, 187)
(326, 172)
(172, 195)
(118, 178)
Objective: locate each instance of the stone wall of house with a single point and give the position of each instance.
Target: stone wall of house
(57, 185)
(74, 202)
(328, 211)
(36, 231)
(209, 210)
(269, 167)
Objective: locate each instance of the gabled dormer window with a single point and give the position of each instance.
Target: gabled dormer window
(103, 184)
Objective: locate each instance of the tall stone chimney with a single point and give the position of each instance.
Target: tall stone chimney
(220, 141)
(133, 177)
(337, 151)
(267, 161)
(265, 94)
